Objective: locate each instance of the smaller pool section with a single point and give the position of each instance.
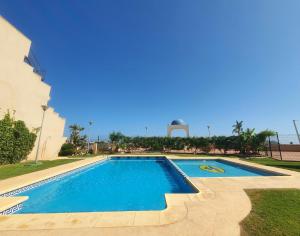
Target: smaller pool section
(219, 168)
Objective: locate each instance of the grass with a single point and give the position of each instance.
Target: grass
(274, 212)
(85, 155)
(290, 165)
(12, 170)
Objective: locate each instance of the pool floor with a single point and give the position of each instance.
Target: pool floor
(114, 185)
(219, 168)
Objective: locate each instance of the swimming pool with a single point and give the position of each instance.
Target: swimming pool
(117, 184)
(219, 168)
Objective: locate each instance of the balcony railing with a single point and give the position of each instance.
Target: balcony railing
(33, 62)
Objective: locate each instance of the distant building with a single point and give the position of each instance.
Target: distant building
(178, 124)
(23, 92)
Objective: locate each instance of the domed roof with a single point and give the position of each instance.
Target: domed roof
(178, 122)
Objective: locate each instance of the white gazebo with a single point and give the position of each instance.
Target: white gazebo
(178, 124)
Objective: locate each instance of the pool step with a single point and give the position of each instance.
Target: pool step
(9, 205)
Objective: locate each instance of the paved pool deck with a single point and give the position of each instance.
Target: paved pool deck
(217, 210)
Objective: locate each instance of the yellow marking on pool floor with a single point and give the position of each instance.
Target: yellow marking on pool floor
(212, 169)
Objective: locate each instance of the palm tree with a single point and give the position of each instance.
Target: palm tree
(75, 138)
(237, 127)
(247, 138)
(259, 141)
(116, 139)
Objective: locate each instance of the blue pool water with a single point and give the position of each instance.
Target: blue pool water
(114, 185)
(226, 169)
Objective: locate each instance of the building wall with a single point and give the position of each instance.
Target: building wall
(22, 91)
(171, 128)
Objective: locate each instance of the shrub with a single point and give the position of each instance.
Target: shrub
(67, 149)
(103, 146)
(16, 141)
(246, 142)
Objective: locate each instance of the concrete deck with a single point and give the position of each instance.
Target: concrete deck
(216, 210)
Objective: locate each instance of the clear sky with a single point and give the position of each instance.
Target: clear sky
(130, 64)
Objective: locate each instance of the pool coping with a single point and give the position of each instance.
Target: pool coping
(175, 211)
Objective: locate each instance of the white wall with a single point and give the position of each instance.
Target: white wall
(22, 91)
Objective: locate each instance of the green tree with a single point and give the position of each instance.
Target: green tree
(201, 143)
(16, 141)
(247, 137)
(116, 139)
(237, 127)
(78, 140)
(220, 143)
(259, 140)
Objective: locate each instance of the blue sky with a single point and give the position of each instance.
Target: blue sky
(130, 64)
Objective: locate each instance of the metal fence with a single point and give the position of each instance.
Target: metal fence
(274, 148)
(288, 138)
(283, 150)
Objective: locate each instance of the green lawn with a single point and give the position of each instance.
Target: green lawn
(290, 165)
(8, 171)
(274, 212)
